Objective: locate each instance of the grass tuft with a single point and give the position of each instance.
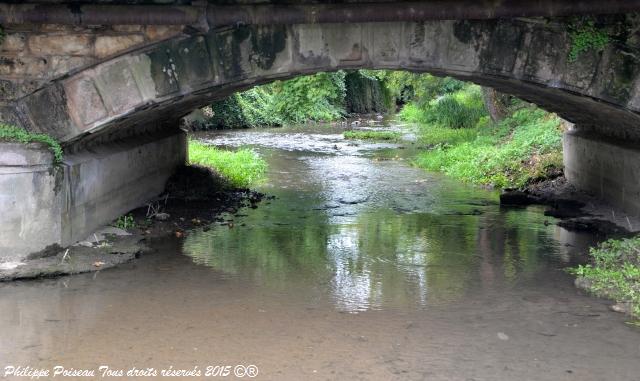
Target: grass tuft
(14, 134)
(372, 135)
(615, 271)
(240, 168)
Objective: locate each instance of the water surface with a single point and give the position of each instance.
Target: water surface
(362, 267)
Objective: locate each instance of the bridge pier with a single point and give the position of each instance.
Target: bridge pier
(607, 168)
(46, 206)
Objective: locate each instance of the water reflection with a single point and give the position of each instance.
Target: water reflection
(369, 234)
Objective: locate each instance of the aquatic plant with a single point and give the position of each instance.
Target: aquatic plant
(372, 135)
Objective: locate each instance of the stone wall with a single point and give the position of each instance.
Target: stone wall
(46, 207)
(33, 55)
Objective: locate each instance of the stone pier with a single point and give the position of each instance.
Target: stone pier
(47, 206)
(607, 168)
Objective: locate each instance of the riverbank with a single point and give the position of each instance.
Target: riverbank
(194, 198)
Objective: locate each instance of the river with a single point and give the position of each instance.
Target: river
(362, 268)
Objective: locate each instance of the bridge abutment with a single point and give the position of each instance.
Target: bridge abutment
(606, 168)
(47, 206)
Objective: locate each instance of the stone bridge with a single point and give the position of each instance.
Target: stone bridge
(111, 83)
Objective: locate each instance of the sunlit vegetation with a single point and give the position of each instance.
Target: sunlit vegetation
(372, 135)
(460, 136)
(520, 149)
(14, 134)
(459, 109)
(240, 168)
(461, 139)
(615, 272)
(322, 97)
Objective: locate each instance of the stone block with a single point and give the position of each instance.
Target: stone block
(14, 42)
(85, 104)
(117, 86)
(161, 32)
(110, 45)
(50, 44)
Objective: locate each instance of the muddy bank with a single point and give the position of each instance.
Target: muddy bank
(108, 250)
(194, 197)
(578, 211)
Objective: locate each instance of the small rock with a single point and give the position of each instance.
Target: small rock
(620, 307)
(503, 336)
(162, 216)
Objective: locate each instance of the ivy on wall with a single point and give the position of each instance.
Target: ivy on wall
(585, 36)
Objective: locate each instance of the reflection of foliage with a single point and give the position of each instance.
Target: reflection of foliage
(382, 257)
(586, 36)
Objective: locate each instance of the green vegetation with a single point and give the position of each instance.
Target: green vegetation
(372, 135)
(125, 222)
(366, 93)
(522, 148)
(14, 134)
(586, 36)
(615, 271)
(436, 136)
(524, 144)
(460, 109)
(239, 168)
(319, 97)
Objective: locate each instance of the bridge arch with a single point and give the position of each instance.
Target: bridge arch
(144, 92)
(160, 83)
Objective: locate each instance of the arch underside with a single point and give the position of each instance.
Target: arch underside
(156, 85)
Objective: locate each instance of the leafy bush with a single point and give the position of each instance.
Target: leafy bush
(372, 135)
(615, 271)
(14, 134)
(240, 168)
(249, 109)
(315, 97)
(461, 109)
